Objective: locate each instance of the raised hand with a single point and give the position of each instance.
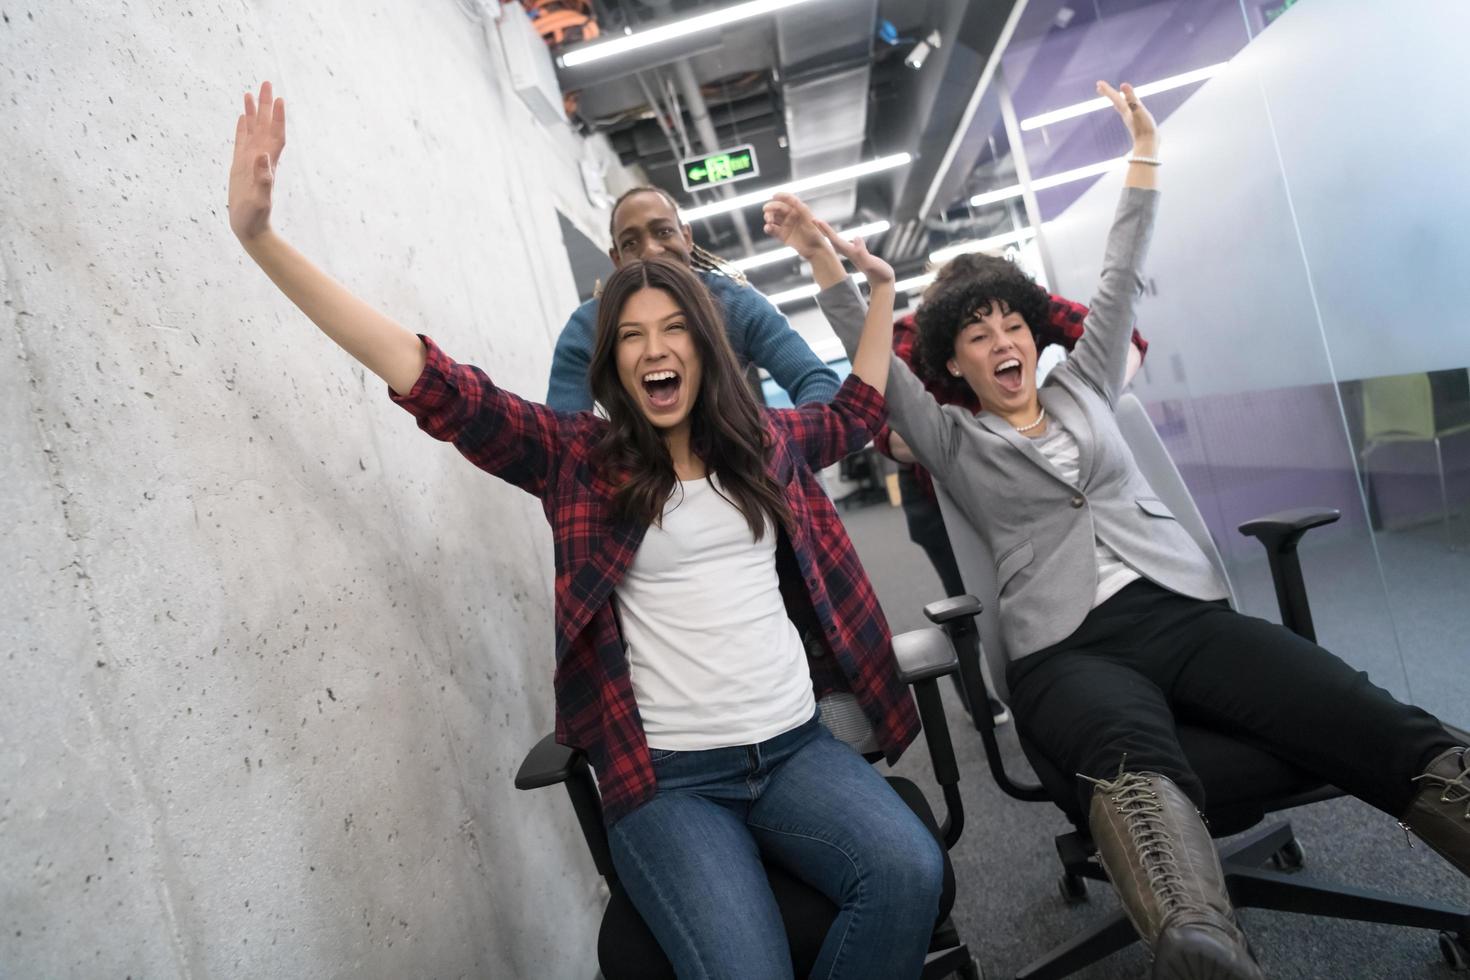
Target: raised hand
(791, 222)
(260, 136)
(1140, 121)
(874, 269)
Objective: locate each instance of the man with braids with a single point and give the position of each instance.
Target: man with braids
(645, 225)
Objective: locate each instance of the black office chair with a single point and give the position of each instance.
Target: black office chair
(865, 469)
(1242, 782)
(627, 950)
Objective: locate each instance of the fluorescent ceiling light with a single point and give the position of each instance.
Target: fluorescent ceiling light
(781, 254)
(798, 186)
(943, 255)
(668, 32)
(792, 295)
(804, 292)
(911, 285)
(1055, 180)
(1093, 105)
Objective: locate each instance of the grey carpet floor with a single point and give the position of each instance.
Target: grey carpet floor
(1008, 907)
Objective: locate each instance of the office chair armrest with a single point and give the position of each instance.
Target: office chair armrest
(958, 616)
(1279, 534)
(548, 763)
(955, 607)
(923, 654)
(1285, 528)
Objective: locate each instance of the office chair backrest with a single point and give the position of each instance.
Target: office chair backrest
(844, 718)
(1161, 473)
(977, 565)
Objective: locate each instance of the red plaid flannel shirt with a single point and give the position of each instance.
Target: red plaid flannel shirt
(547, 454)
(1063, 326)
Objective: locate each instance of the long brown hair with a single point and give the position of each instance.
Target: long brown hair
(727, 430)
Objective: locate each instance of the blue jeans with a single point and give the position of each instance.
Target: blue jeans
(691, 859)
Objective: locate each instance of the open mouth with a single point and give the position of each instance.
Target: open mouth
(662, 388)
(1008, 374)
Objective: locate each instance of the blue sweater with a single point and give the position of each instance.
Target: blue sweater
(757, 331)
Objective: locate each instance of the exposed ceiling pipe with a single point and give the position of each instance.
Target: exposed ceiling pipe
(705, 129)
(671, 96)
(658, 112)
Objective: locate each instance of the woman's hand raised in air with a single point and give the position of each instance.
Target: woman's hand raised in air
(260, 136)
(382, 346)
(874, 269)
(791, 222)
(1139, 120)
(1143, 169)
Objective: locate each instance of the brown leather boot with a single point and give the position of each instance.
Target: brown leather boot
(1167, 873)
(1440, 813)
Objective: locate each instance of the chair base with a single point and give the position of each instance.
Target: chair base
(1253, 887)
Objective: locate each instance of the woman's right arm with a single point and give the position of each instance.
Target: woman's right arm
(381, 345)
(515, 439)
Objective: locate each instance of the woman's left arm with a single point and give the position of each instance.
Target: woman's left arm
(1102, 352)
(826, 433)
(1063, 325)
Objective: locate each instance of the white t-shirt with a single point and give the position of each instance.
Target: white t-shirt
(1060, 448)
(715, 660)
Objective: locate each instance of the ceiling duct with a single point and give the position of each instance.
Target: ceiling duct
(827, 113)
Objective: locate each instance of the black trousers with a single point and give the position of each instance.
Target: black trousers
(1148, 657)
(926, 529)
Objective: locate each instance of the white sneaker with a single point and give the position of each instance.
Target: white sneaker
(999, 713)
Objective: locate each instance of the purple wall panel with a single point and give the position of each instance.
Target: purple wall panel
(1251, 454)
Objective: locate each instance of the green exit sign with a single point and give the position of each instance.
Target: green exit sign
(1270, 11)
(736, 163)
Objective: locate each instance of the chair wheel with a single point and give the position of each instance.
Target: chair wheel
(1452, 948)
(1291, 857)
(1073, 888)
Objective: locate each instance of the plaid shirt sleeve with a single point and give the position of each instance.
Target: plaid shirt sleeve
(504, 434)
(824, 434)
(1064, 326)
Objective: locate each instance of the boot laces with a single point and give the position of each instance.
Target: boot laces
(1456, 790)
(1143, 815)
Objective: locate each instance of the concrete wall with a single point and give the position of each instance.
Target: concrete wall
(270, 656)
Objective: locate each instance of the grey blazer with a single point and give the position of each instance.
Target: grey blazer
(1039, 527)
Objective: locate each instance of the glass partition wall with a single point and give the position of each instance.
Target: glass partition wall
(1309, 346)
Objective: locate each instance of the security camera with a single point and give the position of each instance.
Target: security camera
(920, 52)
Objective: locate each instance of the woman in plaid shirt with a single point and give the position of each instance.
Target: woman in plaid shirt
(678, 667)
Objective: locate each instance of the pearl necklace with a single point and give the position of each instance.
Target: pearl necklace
(1039, 419)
